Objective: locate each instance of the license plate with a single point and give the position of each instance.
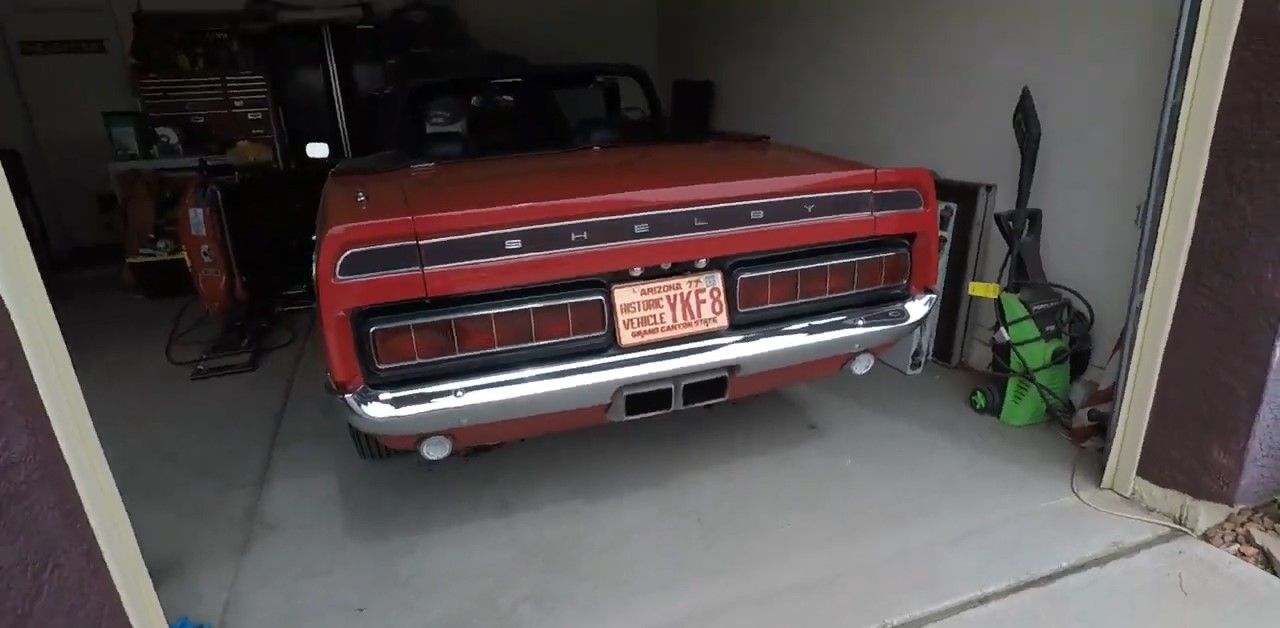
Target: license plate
(652, 311)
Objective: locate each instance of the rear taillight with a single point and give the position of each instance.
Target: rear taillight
(484, 331)
(808, 281)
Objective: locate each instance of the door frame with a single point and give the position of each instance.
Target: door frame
(1156, 294)
(23, 292)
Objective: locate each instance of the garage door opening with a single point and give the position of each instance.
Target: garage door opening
(748, 487)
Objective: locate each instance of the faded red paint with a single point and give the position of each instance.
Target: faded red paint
(507, 431)
(749, 385)
(427, 202)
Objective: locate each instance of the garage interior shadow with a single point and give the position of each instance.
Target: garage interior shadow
(252, 509)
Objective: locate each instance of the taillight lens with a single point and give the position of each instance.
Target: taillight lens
(433, 339)
(784, 287)
(485, 331)
(512, 328)
(394, 346)
(896, 269)
(753, 292)
(586, 318)
(840, 277)
(870, 274)
(551, 322)
(808, 282)
(475, 333)
(812, 283)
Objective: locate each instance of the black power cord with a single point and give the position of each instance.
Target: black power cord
(1023, 225)
(177, 333)
(1055, 404)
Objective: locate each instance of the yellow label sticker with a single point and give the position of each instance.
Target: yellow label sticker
(984, 289)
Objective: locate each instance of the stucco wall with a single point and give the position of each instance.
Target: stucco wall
(920, 82)
(50, 567)
(1260, 478)
(1214, 431)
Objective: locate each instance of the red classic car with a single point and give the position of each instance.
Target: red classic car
(536, 257)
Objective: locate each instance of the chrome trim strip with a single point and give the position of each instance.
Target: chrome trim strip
(389, 273)
(394, 271)
(586, 382)
(898, 211)
(802, 266)
(652, 213)
(562, 237)
(645, 241)
(668, 238)
(737, 282)
(480, 234)
(918, 207)
(604, 307)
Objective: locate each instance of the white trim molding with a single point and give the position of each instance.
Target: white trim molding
(1215, 34)
(23, 293)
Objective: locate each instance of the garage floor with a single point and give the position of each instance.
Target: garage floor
(852, 501)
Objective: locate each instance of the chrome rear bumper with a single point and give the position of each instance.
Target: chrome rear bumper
(588, 382)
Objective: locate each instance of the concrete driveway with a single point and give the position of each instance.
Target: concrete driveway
(853, 501)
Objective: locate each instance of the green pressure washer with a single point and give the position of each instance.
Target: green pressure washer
(1041, 340)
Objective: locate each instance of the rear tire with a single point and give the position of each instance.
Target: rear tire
(368, 447)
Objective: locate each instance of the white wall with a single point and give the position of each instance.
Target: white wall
(933, 83)
(65, 96)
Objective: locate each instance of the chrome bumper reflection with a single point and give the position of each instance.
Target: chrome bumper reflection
(587, 382)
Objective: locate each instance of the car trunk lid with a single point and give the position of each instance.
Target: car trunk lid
(497, 193)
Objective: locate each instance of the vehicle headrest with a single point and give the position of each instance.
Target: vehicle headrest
(445, 146)
(597, 132)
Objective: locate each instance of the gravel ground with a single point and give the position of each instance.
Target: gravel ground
(1252, 535)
